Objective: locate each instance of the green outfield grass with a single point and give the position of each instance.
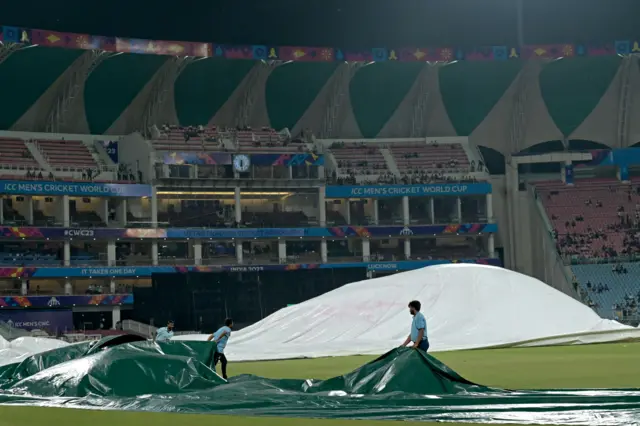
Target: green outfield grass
(593, 366)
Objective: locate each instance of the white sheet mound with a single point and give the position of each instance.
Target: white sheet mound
(466, 306)
(22, 347)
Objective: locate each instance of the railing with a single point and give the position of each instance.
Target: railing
(76, 172)
(452, 176)
(220, 172)
(147, 330)
(20, 168)
(76, 169)
(175, 261)
(147, 224)
(579, 260)
(222, 260)
(139, 328)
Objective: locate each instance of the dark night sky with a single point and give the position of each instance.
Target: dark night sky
(338, 23)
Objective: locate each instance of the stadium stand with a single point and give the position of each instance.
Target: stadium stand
(15, 153)
(595, 218)
(359, 158)
(187, 139)
(414, 158)
(611, 289)
(596, 224)
(66, 153)
(217, 139)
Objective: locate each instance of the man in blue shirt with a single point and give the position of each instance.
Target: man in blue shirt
(418, 333)
(220, 338)
(164, 334)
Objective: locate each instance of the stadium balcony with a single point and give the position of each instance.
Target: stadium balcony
(187, 139)
(52, 158)
(431, 158)
(397, 161)
(266, 141)
(359, 159)
(595, 218)
(222, 139)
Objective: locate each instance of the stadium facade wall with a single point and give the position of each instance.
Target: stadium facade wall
(137, 151)
(529, 249)
(536, 252)
(500, 215)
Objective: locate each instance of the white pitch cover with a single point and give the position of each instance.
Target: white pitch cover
(22, 347)
(467, 306)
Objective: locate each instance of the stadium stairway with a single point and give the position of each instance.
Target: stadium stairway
(100, 154)
(38, 156)
(391, 162)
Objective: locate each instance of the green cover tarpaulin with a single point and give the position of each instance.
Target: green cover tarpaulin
(403, 384)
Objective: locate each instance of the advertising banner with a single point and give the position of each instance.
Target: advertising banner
(247, 233)
(50, 321)
(65, 301)
(79, 189)
(147, 271)
(428, 190)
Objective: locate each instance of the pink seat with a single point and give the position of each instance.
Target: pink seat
(588, 212)
(66, 153)
(423, 157)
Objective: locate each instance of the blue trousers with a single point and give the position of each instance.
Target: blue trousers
(424, 345)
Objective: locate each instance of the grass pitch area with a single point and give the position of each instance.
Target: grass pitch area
(593, 366)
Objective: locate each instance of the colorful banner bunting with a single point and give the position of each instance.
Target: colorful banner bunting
(549, 51)
(595, 49)
(9, 34)
(306, 54)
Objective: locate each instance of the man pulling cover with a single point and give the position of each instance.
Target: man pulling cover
(418, 333)
(164, 334)
(220, 338)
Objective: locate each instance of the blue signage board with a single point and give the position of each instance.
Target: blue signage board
(147, 271)
(426, 190)
(78, 189)
(38, 233)
(111, 148)
(61, 319)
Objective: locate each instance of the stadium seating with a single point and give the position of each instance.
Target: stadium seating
(412, 157)
(14, 152)
(592, 218)
(612, 290)
(66, 153)
(265, 141)
(359, 158)
(188, 139)
(213, 139)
